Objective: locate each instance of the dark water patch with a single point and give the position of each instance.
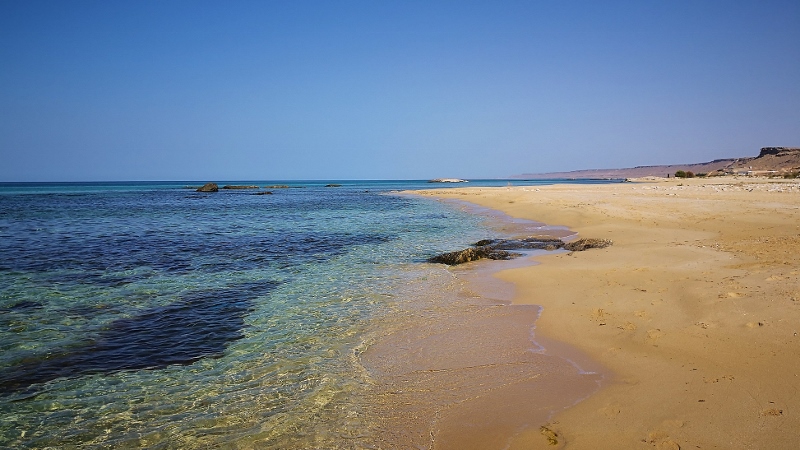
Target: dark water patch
(93, 231)
(199, 325)
(94, 259)
(25, 305)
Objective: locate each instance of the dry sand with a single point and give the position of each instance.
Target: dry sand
(695, 309)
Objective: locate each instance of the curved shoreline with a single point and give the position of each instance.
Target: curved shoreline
(488, 378)
(694, 308)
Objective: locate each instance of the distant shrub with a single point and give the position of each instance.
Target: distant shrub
(689, 174)
(702, 175)
(680, 174)
(792, 175)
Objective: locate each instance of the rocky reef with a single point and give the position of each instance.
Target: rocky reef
(498, 249)
(208, 187)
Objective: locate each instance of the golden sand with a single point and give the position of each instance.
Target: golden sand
(695, 309)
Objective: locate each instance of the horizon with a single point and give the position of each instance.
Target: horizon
(151, 91)
(220, 181)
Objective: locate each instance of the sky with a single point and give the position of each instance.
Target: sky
(301, 90)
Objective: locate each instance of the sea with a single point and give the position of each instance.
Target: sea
(148, 315)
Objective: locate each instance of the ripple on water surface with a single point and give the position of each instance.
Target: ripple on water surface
(305, 319)
(139, 318)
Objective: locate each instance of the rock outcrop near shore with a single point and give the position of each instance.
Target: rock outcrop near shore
(208, 187)
(472, 254)
(498, 249)
(585, 244)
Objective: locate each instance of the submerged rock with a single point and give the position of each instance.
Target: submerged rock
(333, 185)
(585, 244)
(208, 187)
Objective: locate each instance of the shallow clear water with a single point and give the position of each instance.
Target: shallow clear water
(136, 314)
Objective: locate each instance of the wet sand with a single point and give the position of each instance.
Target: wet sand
(463, 370)
(695, 309)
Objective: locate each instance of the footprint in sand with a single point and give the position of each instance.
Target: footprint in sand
(599, 315)
(654, 334)
(610, 411)
(661, 441)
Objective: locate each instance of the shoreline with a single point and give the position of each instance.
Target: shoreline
(462, 372)
(693, 309)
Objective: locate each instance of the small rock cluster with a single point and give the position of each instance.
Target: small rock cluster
(208, 187)
(585, 244)
(498, 249)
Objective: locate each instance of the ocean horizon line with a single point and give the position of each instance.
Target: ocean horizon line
(307, 180)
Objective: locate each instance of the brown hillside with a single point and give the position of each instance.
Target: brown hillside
(770, 161)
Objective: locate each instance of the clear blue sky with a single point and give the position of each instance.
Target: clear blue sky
(191, 90)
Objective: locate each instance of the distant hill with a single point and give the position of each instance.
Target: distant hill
(634, 172)
(770, 160)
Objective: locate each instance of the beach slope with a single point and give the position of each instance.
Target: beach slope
(695, 309)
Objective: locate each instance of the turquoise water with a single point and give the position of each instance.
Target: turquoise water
(149, 315)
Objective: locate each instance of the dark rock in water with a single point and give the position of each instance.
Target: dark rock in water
(529, 243)
(333, 185)
(472, 254)
(208, 187)
(239, 187)
(498, 248)
(585, 244)
(277, 186)
(263, 193)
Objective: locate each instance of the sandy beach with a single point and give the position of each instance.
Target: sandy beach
(693, 311)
